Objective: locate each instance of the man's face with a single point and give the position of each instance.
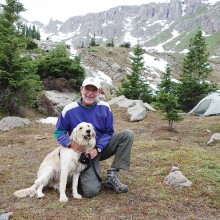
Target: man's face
(89, 94)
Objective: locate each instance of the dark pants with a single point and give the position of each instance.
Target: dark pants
(120, 146)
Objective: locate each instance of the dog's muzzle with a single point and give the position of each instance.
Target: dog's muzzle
(88, 134)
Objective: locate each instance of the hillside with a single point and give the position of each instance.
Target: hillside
(155, 151)
(104, 59)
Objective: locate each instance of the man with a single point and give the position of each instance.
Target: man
(90, 109)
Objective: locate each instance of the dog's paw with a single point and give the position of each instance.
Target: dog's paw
(40, 195)
(63, 199)
(77, 196)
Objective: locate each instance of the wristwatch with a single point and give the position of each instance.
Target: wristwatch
(99, 149)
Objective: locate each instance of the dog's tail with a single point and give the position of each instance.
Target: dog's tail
(31, 191)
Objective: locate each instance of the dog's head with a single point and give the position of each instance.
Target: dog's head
(84, 135)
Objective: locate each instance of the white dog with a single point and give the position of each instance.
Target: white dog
(61, 164)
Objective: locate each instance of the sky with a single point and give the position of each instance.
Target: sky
(43, 10)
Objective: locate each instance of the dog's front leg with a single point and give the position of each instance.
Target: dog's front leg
(75, 186)
(63, 182)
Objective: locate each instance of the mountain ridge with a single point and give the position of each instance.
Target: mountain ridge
(150, 24)
(166, 25)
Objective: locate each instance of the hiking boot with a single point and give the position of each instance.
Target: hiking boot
(112, 182)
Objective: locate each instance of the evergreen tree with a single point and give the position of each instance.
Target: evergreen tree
(166, 100)
(126, 44)
(33, 32)
(93, 42)
(18, 82)
(196, 61)
(23, 30)
(195, 71)
(31, 44)
(166, 83)
(168, 104)
(30, 32)
(58, 65)
(110, 44)
(133, 86)
(38, 37)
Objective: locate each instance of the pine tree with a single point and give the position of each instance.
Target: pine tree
(30, 32)
(93, 42)
(196, 62)
(38, 37)
(168, 104)
(18, 81)
(58, 64)
(33, 33)
(111, 43)
(195, 71)
(133, 86)
(166, 83)
(166, 100)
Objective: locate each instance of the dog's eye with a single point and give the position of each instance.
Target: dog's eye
(80, 128)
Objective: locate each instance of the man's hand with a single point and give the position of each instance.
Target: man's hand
(77, 148)
(93, 153)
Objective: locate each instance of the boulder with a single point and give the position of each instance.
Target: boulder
(106, 90)
(137, 112)
(6, 216)
(149, 107)
(52, 102)
(215, 137)
(117, 100)
(176, 178)
(135, 108)
(9, 122)
(115, 67)
(122, 101)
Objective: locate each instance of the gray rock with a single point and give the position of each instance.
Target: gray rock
(53, 102)
(106, 89)
(8, 123)
(176, 178)
(137, 112)
(116, 68)
(136, 109)
(117, 100)
(214, 138)
(6, 216)
(149, 107)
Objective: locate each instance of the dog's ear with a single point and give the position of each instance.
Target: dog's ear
(93, 131)
(93, 141)
(73, 134)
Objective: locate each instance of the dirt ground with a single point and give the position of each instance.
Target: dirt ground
(155, 151)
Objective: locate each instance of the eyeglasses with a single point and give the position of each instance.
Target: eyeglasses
(90, 89)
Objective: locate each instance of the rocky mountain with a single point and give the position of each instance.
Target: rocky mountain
(164, 30)
(157, 26)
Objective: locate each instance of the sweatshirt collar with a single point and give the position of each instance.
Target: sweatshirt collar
(79, 101)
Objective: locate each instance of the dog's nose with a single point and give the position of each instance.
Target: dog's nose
(88, 131)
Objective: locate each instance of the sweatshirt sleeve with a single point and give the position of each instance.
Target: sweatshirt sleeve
(62, 131)
(107, 133)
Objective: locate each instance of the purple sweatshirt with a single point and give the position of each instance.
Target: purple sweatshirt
(99, 115)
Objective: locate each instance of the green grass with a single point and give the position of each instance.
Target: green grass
(154, 152)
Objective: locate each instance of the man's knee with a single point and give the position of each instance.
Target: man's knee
(129, 134)
(90, 189)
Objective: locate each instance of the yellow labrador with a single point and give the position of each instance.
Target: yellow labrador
(61, 164)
